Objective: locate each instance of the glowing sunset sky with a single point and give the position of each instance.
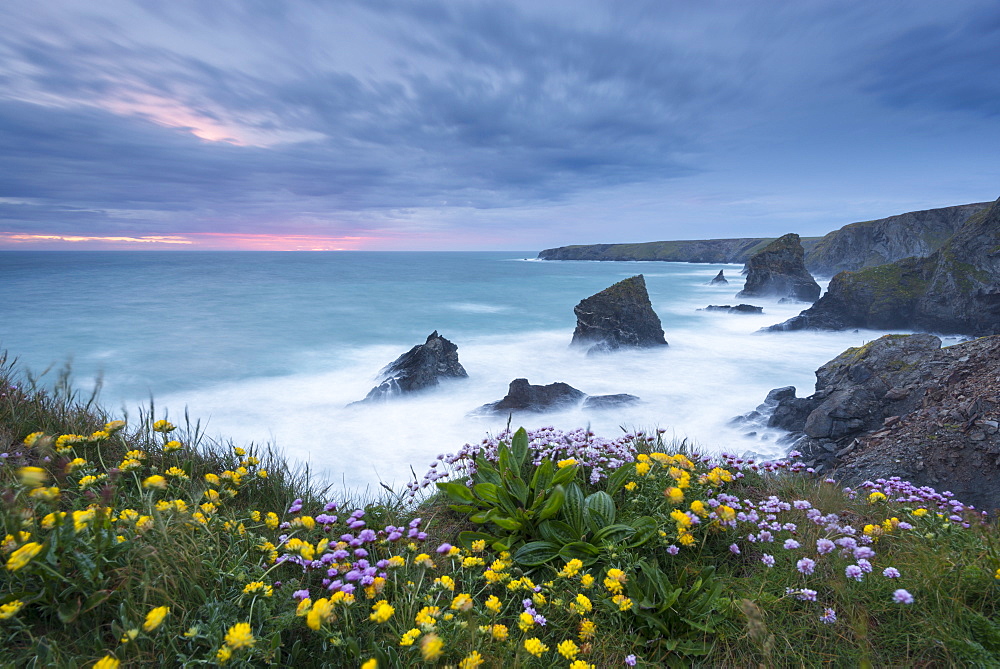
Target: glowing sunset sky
(466, 125)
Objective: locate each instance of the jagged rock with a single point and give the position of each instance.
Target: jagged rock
(420, 367)
(618, 317)
(610, 401)
(779, 271)
(903, 406)
(738, 309)
(720, 278)
(954, 290)
(522, 396)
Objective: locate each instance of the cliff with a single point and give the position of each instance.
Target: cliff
(954, 290)
(686, 250)
(779, 271)
(620, 316)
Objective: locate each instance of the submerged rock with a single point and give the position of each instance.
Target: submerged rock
(720, 278)
(620, 316)
(522, 396)
(420, 367)
(738, 309)
(779, 271)
(610, 401)
(954, 290)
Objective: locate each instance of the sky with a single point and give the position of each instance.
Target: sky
(468, 125)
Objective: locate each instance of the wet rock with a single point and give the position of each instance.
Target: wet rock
(738, 309)
(610, 401)
(419, 368)
(779, 271)
(720, 278)
(522, 396)
(620, 316)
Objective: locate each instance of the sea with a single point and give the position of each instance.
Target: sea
(271, 348)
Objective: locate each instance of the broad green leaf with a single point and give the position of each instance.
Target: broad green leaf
(486, 472)
(554, 502)
(617, 479)
(519, 447)
(542, 478)
(565, 474)
(457, 491)
(580, 550)
(572, 509)
(558, 532)
(466, 538)
(535, 553)
(645, 528)
(506, 523)
(516, 487)
(613, 533)
(488, 492)
(599, 510)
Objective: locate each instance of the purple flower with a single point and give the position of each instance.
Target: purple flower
(444, 548)
(805, 566)
(824, 546)
(673, 550)
(865, 565)
(630, 660)
(734, 549)
(902, 597)
(829, 616)
(791, 544)
(295, 507)
(767, 559)
(890, 572)
(806, 595)
(331, 506)
(299, 595)
(864, 552)
(854, 571)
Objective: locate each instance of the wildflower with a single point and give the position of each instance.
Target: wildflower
(631, 485)
(88, 481)
(805, 566)
(10, 609)
(370, 663)
(535, 646)
(525, 621)
(262, 473)
(824, 546)
(75, 464)
(499, 632)
(106, 662)
(155, 481)
(829, 616)
(876, 496)
(587, 629)
(155, 617)
(431, 647)
(623, 602)
(642, 468)
(673, 550)
(586, 580)
(172, 446)
(854, 571)
(572, 568)
(919, 513)
(568, 462)
(580, 664)
(791, 544)
(630, 660)
(65, 442)
(494, 604)
(213, 479)
(240, 452)
(427, 616)
(320, 613)
(382, 611)
(176, 472)
(224, 654)
(582, 605)
(410, 637)
(734, 549)
(568, 649)
(890, 572)
(473, 561)
(23, 555)
(32, 477)
(45, 494)
(239, 636)
(471, 661)
(902, 597)
(767, 559)
(447, 581)
(100, 435)
(128, 464)
(130, 635)
(698, 507)
(682, 519)
(163, 426)
(114, 426)
(260, 587)
(271, 521)
(32, 438)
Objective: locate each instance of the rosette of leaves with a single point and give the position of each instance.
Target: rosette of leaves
(511, 498)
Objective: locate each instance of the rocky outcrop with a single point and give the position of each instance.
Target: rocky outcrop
(903, 406)
(420, 367)
(620, 316)
(871, 243)
(684, 250)
(779, 270)
(738, 309)
(524, 397)
(954, 290)
(720, 278)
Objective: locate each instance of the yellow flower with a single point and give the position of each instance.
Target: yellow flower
(568, 649)
(239, 636)
(479, 546)
(74, 464)
(88, 481)
(271, 520)
(427, 616)
(471, 661)
(32, 438)
(587, 580)
(580, 664)
(107, 662)
(685, 538)
(587, 629)
(581, 605)
(175, 472)
(46, 494)
(494, 604)
(410, 637)
(623, 602)
(100, 435)
(682, 519)
(303, 607)
(130, 635)
(224, 654)
(239, 452)
(698, 507)
(726, 513)
(129, 464)
(23, 555)
(381, 611)
(163, 426)
(876, 496)
(155, 481)
(255, 587)
(473, 561)
(10, 609)
(262, 473)
(535, 646)
(572, 568)
(172, 446)
(642, 468)
(137, 454)
(213, 479)
(371, 663)
(82, 519)
(447, 581)
(114, 425)
(568, 462)
(397, 561)
(499, 632)
(32, 477)
(155, 617)
(321, 612)
(65, 442)
(424, 560)
(431, 647)
(461, 602)
(525, 621)
(919, 513)
(631, 485)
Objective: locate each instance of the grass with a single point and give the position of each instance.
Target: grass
(145, 543)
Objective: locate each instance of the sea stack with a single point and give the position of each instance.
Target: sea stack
(419, 368)
(620, 316)
(720, 278)
(779, 270)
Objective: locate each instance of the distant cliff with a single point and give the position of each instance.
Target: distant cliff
(870, 243)
(852, 247)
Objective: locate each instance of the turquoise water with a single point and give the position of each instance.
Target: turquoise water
(273, 346)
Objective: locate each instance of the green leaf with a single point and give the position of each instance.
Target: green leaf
(96, 599)
(505, 461)
(580, 550)
(482, 516)
(457, 491)
(516, 487)
(564, 475)
(466, 538)
(68, 611)
(599, 510)
(519, 447)
(542, 478)
(501, 545)
(506, 523)
(645, 528)
(617, 479)
(462, 508)
(535, 553)
(488, 492)
(613, 533)
(572, 509)
(558, 532)
(553, 504)
(486, 472)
